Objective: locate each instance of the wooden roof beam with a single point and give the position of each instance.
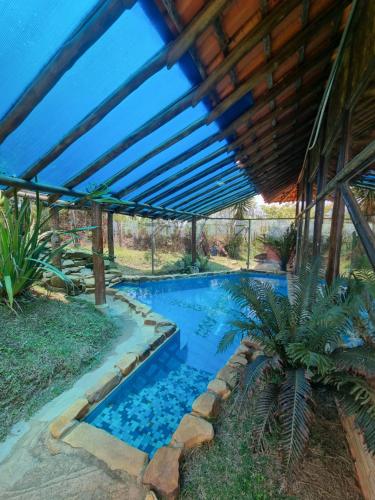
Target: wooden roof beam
(278, 89)
(237, 175)
(167, 56)
(46, 188)
(204, 199)
(193, 189)
(183, 103)
(93, 26)
(187, 154)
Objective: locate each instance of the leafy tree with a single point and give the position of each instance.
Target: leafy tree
(302, 342)
(243, 208)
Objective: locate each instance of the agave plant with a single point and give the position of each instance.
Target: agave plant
(25, 250)
(283, 245)
(302, 340)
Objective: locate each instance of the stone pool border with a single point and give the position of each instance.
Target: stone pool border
(162, 473)
(116, 454)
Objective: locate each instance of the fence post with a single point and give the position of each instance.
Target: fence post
(248, 244)
(111, 246)
(152, 247)
(193, 240)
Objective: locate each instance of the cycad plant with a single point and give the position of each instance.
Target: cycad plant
(302, 340)
(283, 245)
(25, 250)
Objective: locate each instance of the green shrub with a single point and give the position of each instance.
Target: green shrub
(302, 341)
(25, 250)
(284, 245)
(185, 265)
(233, 246)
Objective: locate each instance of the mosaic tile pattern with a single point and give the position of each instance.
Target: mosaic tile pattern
(146, 408)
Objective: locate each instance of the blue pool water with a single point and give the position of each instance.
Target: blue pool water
(146, 408)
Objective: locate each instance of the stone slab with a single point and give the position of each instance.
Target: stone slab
(116, 454)
(126, 363)
(103, 386)
(67, 419)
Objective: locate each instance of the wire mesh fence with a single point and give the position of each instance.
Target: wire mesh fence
(145, 246)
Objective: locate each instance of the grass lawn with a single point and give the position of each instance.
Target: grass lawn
(44, 349)
(138, 262)
(229, 468)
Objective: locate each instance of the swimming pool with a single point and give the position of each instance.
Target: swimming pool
(145, 410)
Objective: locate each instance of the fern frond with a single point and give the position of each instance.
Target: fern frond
(264, 412)
(360, 361)
(295, 414)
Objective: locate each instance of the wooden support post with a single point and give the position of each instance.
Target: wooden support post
(319, 208)
(97, 254)
(111, 245)
(193, 240)
(299, 231)
(55, 240)
(248, 245)
(306, 230)
(360, 223)
(338, 212)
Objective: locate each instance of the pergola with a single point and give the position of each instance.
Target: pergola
(178, 109)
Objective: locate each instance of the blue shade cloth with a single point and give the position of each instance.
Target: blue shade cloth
(28, 41)
(31, 31)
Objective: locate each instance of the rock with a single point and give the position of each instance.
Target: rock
(155, 319)
(156, 340)
(220, 388)
(237, 361)
(244, 350)
(67, 263)
(207, 405)
(229, 375)
(151, 496)
(141, 351)
(163, 474)
(126, 364)
(192, 431)
(58, 282)
(86, 272)
(143, 309)
(110, 291)
(90, 282)
(67, 419)
(103, 386)
(251, 344)
(166, 330)
(116, 454)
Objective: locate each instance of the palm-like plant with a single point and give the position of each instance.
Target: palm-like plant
(25, 250)
(302, 342)
(283, 245)
(243, 208)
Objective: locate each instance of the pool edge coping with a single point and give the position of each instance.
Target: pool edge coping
(70, 421)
